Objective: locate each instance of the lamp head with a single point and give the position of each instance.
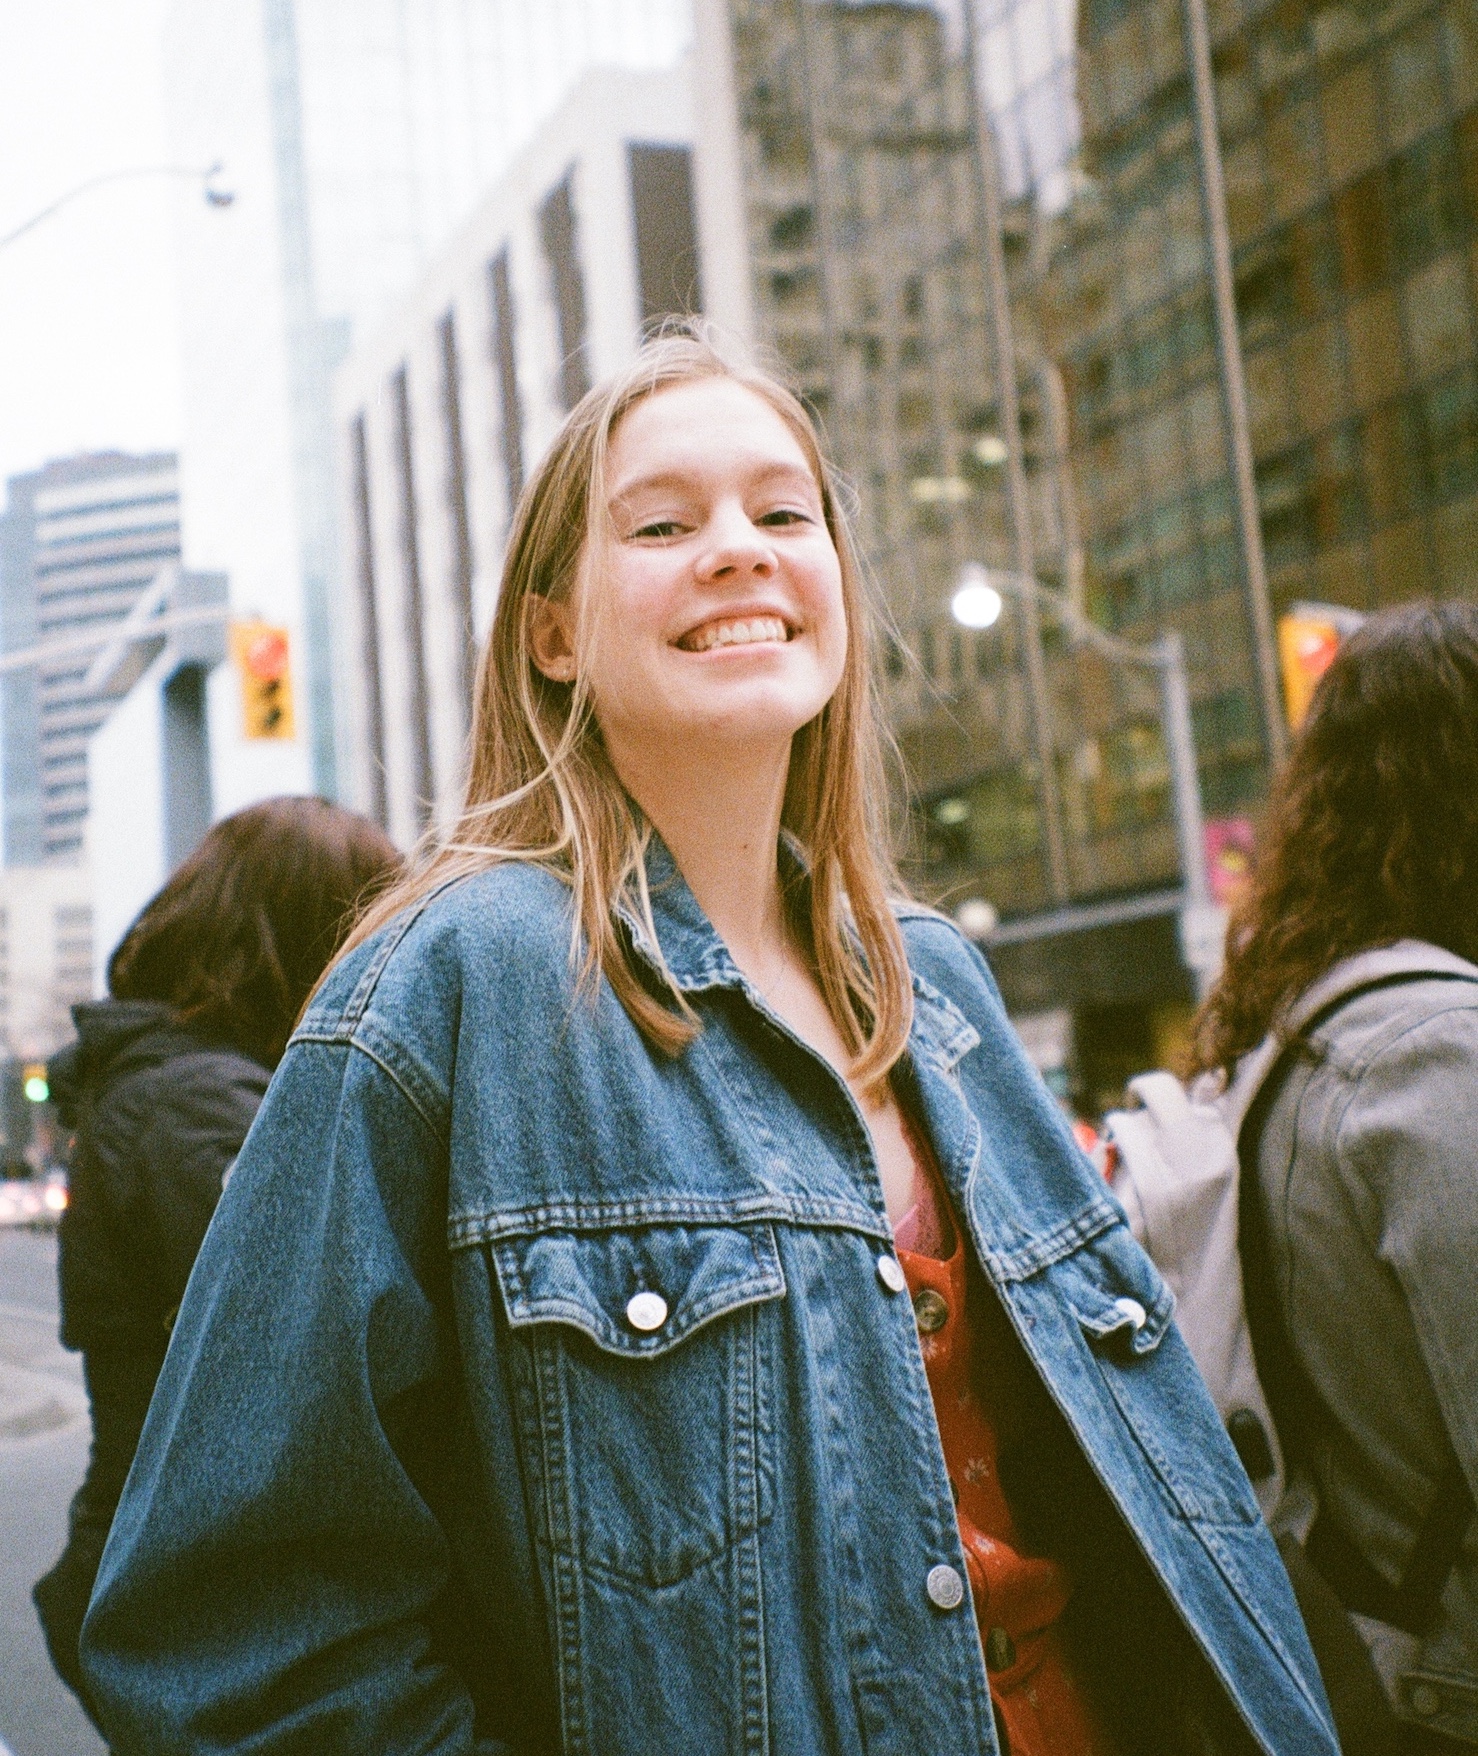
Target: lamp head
(976, 603)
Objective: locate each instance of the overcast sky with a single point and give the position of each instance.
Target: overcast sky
(87, 301)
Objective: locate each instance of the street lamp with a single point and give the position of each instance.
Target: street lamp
(977, 603)
(214, 196)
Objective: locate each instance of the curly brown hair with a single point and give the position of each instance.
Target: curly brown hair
(1372, 829)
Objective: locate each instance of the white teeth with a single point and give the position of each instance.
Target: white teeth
(757, 630)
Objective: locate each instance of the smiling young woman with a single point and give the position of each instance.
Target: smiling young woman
(658, 1308)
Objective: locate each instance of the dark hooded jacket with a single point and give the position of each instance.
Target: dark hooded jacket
(159, 1114)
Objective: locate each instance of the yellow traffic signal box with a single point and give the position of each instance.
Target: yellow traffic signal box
(1308, 638)
(260, 653)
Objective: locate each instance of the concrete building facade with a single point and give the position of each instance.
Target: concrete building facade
(443, 413)
(46, 957)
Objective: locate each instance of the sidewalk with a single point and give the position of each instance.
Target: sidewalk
(44, 1435)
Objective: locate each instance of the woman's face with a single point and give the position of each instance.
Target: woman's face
(717, 616)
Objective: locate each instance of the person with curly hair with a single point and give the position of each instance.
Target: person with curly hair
(1358, 948)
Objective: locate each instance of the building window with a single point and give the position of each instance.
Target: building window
(505, 366)
(369, 618)
(557, 233)
(456, 494)
(666, 235)
(415, 637)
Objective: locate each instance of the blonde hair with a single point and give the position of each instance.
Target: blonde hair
(541, 789)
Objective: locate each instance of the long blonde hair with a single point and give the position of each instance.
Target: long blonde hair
(541, 789)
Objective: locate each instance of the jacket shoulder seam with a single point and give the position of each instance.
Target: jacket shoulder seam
(422, 1097)
(342, 1025)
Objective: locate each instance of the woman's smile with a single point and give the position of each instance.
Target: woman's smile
(731, 631)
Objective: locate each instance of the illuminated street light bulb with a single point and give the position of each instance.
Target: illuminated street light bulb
(977, 603)
(977, 918)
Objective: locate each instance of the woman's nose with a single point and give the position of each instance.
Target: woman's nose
(736, 546)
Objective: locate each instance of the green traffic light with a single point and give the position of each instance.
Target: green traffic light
(37, 1090)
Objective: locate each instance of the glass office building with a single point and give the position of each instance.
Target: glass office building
(1348, 136)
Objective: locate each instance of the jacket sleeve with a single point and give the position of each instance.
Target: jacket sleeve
(1410, 1133)
(276, 1577)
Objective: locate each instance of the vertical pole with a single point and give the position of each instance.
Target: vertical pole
(1202, 925)
(1018, 499)
(1185, 781)
(1233, 380)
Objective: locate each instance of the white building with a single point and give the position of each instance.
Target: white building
(46, 959)
(149, 763)
(440, 415)
(354, 135)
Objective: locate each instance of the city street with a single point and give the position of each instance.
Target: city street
(43, 1451)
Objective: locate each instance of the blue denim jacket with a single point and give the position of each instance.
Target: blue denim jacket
(414, 1481)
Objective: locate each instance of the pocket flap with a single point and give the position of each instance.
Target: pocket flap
(1118, 1295)
(637, 1292)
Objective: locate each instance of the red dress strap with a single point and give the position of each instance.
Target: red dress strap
(1019, 1597)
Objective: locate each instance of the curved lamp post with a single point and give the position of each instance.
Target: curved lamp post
(978, 601)
(214, 196)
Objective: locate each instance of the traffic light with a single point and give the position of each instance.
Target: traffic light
(34, 1082)
(1308, 638)
(260, 653)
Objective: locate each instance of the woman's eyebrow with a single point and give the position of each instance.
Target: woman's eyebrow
(686, 480)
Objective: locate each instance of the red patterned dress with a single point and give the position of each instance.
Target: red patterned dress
(971, 1361)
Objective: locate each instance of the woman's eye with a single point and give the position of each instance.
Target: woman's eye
(783, 515)
(661, 527)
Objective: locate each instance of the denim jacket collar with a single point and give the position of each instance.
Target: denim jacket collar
(690, 951)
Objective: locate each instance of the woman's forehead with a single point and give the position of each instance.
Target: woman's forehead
(689, 430)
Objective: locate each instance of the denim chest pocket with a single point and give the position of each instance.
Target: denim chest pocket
(643, 1379)
(1125, 1312)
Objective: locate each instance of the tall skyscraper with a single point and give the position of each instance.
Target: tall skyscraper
(80, 542)
(355, 135)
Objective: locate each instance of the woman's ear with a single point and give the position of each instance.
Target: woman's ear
(551, 637)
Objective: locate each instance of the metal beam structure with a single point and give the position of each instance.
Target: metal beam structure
(1017, 494)
(1234, 382)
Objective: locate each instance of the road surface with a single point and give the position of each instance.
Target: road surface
(43, 1452)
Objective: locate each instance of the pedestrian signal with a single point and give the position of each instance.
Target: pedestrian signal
(260, 653)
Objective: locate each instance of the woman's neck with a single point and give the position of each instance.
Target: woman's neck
(720, 819)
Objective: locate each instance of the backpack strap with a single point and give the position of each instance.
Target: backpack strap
(1297, 1408)
(1410, 1604)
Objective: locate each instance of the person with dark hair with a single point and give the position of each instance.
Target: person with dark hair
(160, 1089)
(1358, 949)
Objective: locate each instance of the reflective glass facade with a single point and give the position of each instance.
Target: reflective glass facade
(1348, 134)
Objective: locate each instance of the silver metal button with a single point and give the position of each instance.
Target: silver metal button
(945, 1587)
(646, 1311)
(890, 1273)
(1133, 1312)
